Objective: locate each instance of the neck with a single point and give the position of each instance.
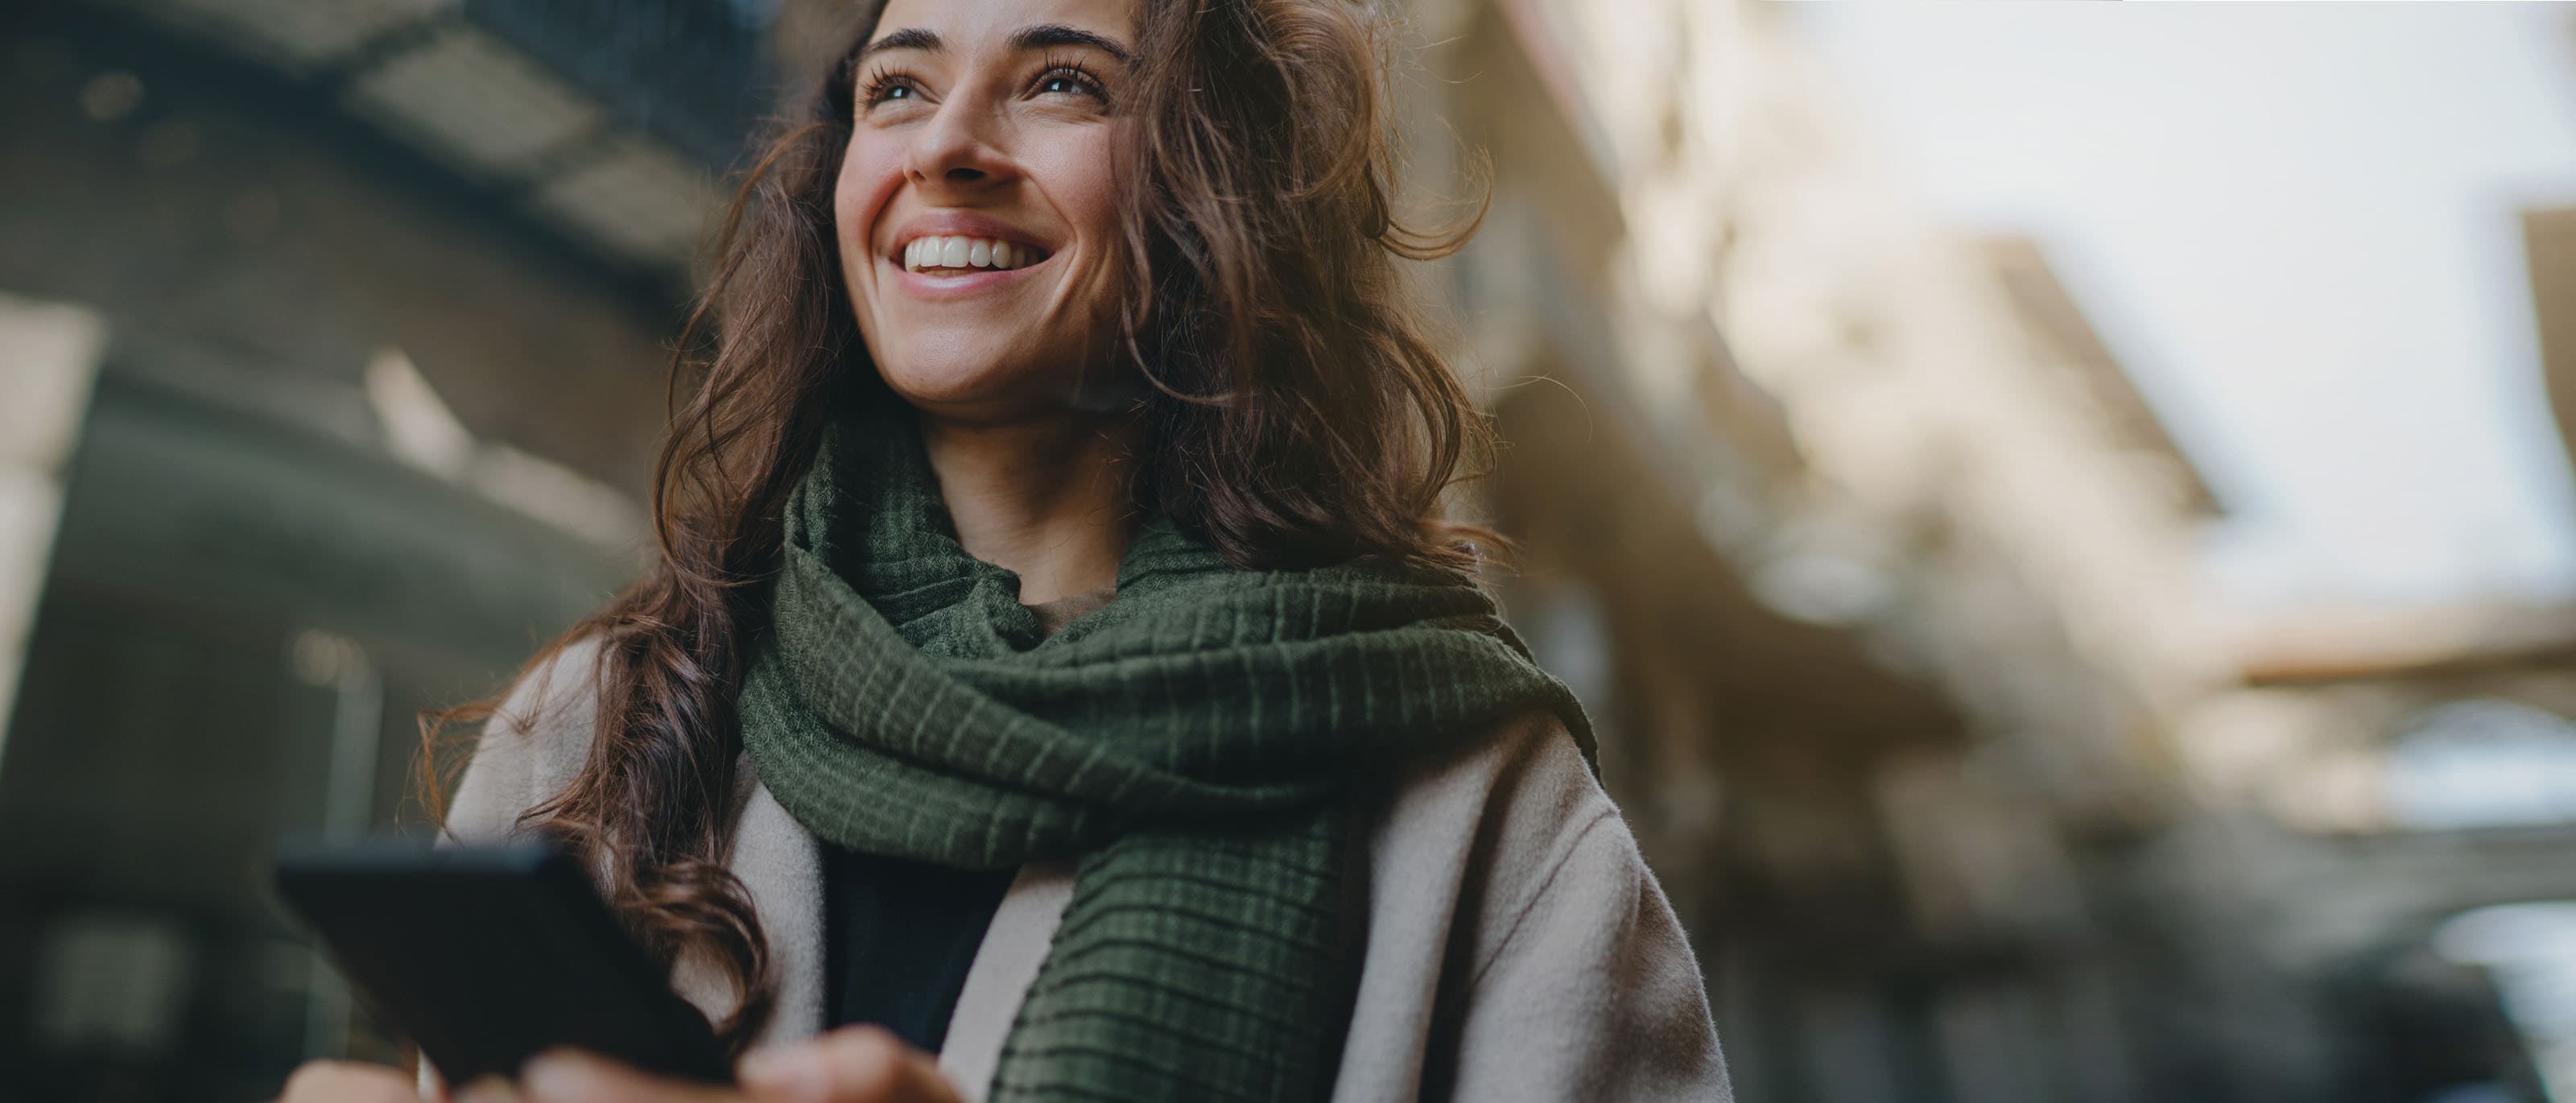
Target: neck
(1045, 499)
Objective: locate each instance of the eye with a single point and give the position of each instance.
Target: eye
(1068, 79)
(885, 87)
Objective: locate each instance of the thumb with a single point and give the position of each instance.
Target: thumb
(855, 1064)
(572, 1076)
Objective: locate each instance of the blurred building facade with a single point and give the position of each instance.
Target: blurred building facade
(1933, 729)
(341, 328)
(343, 324)
(2549, 249)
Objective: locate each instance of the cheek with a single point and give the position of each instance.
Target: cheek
(1082, 183)
(871, 170)
(1091, 192)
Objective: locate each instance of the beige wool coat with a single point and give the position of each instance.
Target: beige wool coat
(1516, 946)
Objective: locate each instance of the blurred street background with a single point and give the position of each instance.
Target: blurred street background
(2063, 514)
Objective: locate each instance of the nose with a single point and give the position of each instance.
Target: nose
(957, 149)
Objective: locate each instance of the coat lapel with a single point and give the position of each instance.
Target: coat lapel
(780, 866)
(781, 869)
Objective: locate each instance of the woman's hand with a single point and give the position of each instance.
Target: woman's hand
(856, 1064)
(349, 1082)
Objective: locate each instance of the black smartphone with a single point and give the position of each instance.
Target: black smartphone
(488, 955)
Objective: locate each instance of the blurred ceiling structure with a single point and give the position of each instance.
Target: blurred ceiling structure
(2549, 246)
(607, 119)
(2054, 319)
(2365, 644)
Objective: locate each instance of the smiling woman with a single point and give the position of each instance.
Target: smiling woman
(977, 205)
(1059, 681)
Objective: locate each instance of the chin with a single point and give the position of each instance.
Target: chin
(979, 375)
(964, 385)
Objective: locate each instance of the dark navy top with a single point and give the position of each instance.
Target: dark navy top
(899, 935)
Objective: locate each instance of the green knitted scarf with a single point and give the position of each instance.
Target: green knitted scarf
(1190, 746)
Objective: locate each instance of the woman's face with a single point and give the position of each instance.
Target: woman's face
(977, 211)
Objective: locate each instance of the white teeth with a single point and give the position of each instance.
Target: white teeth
(965, 252)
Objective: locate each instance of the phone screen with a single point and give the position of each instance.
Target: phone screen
(487, 956)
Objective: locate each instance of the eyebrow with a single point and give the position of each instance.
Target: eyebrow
(1047, 35)
(909, 38)
(1038, 36)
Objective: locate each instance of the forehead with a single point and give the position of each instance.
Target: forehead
(982, 24)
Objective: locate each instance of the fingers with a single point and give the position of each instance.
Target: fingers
(348, 1082)
(569, 1076)
(857, 1064)
(862, 1064)
(490, 1089)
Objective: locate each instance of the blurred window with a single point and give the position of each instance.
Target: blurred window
(2530, 949)
(107, 979)
(2482, 763)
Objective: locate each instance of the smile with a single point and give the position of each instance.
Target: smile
(941, 255)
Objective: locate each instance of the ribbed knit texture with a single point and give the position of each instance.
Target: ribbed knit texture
(1190, 744)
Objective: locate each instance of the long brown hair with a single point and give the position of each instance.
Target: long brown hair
(1298, 413)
